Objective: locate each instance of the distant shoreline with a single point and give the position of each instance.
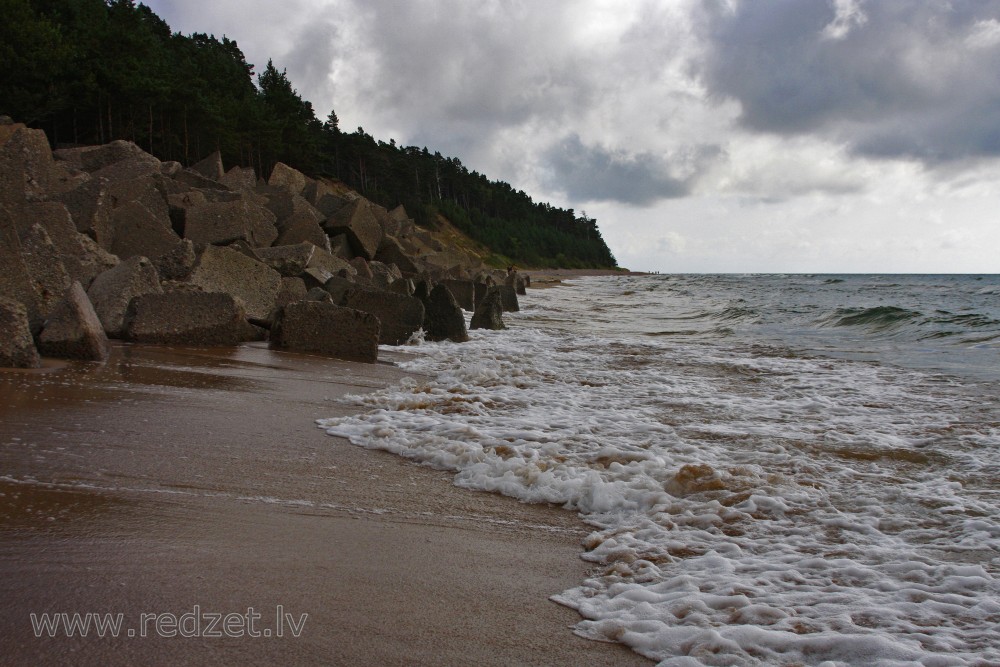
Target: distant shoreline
(550, 277)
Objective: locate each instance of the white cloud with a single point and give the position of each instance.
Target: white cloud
(739, 135)
(848, 15)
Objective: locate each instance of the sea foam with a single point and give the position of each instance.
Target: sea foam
(751, 505)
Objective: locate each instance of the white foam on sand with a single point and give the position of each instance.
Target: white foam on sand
(750, 507)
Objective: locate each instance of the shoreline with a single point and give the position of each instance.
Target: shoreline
(169, 478)
(542, 278)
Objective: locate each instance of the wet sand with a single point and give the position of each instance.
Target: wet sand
(176, 480)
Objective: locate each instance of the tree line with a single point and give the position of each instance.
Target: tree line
(92, 71)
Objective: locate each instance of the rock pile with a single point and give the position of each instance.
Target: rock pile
(102, 242)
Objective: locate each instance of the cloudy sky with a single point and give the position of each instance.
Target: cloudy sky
(704, 135)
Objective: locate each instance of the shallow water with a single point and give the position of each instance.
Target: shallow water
(779, 469)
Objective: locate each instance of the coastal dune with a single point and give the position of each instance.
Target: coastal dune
(189, 483)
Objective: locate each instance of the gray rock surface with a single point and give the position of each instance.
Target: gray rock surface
(219, 223)
(399, 315)
(46, 274)
(464, 292)
(210, 167)
(301, 227)
(489, 311)
(443, 317)
(112, 291)
(256, 285)
(188, 318)
(324, 328)
(283, 176)
(508, 298)
(357, 221)
(17, 348)
(73, 330)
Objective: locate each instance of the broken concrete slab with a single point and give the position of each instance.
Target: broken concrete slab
(17, 347)
(400, 315)
(324, 328)
(73, 330)
(219, 223)
(256, 285)
(188, 318)
(112, 291)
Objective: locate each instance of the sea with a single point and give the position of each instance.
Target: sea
(778, 469)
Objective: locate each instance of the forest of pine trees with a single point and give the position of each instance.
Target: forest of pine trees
(92, 71)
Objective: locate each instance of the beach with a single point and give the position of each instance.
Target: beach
(179, 486)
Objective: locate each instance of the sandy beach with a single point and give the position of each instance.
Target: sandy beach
(180, 481)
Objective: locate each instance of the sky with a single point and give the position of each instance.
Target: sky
(817, 136)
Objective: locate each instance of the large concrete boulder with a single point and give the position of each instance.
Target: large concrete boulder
(324, 328)
(27, 170)
(283, 176)
(96, 158)
(481, 286)
(284, 205)
(137, 164)
(323, 197)
(384, 275)
(452, 263)
(292, 290)
(341, 247)
(489, 311)
(132, 218)
(188, 318)
(80, 261)
(392, 221)
(15, 281)
(219, 223)
(90, 206)
(362, 269)
(47, 275)
(95, 259)
(302, 227)
(189, 178)
(178, 263)
(443, 318)
(318, 294)
(516, 281)
(391, 252)
(403, 286)
(288, 260)
(338, 286)
(508, 296)
(73, 330)
(401, 316)
(210, 167)
(464, 292)
(112, 291)
(17, 347)
(253, 283)
(138, 231)
(294, 260)
(240, 179)
(357, 221)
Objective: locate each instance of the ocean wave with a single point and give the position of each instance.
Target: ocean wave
(877, 318)
(749, 507)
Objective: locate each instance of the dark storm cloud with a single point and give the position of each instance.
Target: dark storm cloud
(594, 173)
(890, 78)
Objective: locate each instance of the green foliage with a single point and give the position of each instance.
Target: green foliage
(91, 71)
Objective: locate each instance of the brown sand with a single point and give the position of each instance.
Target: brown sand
(541, 278)
(174, 477)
